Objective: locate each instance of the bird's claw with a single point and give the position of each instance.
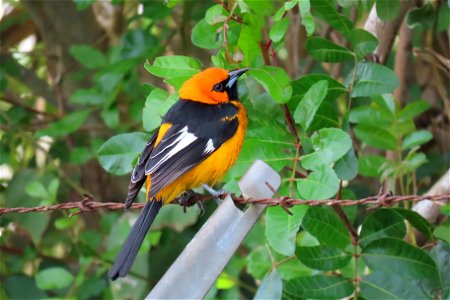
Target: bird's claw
(217, 194)
(189, 198)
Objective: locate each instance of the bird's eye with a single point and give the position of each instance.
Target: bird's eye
(218, 87)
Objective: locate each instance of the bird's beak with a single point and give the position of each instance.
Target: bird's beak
(234, 76)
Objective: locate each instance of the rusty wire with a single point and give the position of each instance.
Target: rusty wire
(88, 204)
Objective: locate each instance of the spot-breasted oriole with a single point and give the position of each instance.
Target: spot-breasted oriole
(199, 139)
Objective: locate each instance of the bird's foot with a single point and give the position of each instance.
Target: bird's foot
(189, 198)
(217, 194)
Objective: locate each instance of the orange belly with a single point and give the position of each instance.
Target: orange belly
(212, 168)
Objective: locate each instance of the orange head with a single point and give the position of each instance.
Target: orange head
(212, 86)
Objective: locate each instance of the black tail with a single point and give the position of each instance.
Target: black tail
(130, 248)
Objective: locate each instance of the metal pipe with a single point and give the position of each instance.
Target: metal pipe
(204, 258)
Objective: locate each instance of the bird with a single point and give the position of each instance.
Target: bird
(198, 141)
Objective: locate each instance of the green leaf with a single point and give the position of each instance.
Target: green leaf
(308, 106)
(83, 4)
(319, 287)
(413, 109)
(441, 254)
(53, 278)
(250, 37)
(321, 184)
(66, 125)
(442, 232)
(303, 84)
(376, 137)
(346, 168)
(282, 228)
(325, 51)
(173, 216)
(382, 285)
(271, 287)
(14, 286)
(396, 256)
(327, 9)
(421, 17)
(307, 18)
(372, 114)
(382, 223)
(324, 224)
(205, 36)
(373, 79)
(323, 257)
(263, 8)
(275, 81)
(87, 97)
(416, 138)
(215, 14)
(225, 281)
(174, 66)
(363, 42)
(258, 263)
(387, 10)
(371, 165)
(269, 142)
(118, 154)
(326, 116)
(88, 56)
(36, 189)
(416, 220)
(156, 106)
(278, 30)
(329, 144)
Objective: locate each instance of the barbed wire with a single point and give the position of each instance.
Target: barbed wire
(88, 204)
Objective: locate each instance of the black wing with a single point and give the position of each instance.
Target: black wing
(138, 176)
(196, 131)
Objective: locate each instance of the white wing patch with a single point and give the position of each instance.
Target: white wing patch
(209, 147)
(184, 139)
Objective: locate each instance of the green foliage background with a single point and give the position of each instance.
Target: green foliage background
(80, 128)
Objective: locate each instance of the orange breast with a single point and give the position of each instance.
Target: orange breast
(212, 168)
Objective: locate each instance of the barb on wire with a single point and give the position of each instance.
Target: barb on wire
(89, 204)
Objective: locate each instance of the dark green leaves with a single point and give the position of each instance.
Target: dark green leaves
(326, 51)
(88, 56)
(400, 258)
(373, 79)
(382, 223)
(387, 10)
(319, 287)
(376, 136)
(363, 42)
(275, 81)
(323, 257)
(308, 106)
(118, 154)
(54, 278)
(66, 125)
(327, 10)
(325, 225)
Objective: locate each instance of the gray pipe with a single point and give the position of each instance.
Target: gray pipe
(204, 258)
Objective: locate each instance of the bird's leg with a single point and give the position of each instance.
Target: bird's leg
(217, 194)
(189, 198)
